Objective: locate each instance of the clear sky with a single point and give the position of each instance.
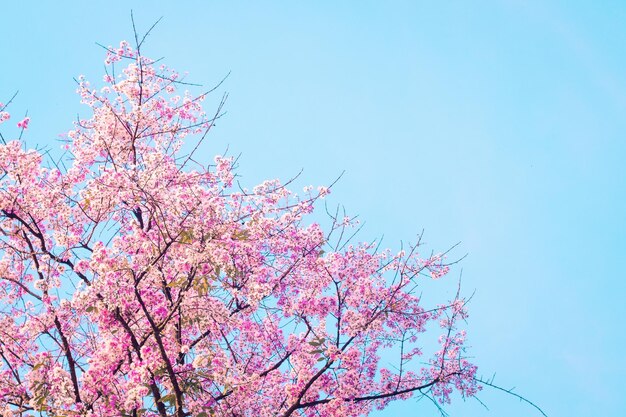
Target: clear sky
(497, 124)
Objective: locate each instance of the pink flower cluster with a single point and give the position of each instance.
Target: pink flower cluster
(23, 124)
(136, 282)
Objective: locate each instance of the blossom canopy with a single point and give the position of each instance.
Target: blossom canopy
(136, 281)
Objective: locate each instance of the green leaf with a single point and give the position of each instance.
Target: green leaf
(317, 342)
(169, 398)
(241, 235)
(177, 282)
(186, 236)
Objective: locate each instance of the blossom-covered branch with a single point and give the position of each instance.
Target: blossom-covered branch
(132, 284)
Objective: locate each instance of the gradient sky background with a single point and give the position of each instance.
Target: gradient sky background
(498, 124)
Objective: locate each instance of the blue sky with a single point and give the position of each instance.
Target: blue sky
(497, 124)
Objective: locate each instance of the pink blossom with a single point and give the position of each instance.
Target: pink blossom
(138, 280)
(23, 124)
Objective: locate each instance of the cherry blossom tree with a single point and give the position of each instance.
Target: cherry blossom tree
(136, 280)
